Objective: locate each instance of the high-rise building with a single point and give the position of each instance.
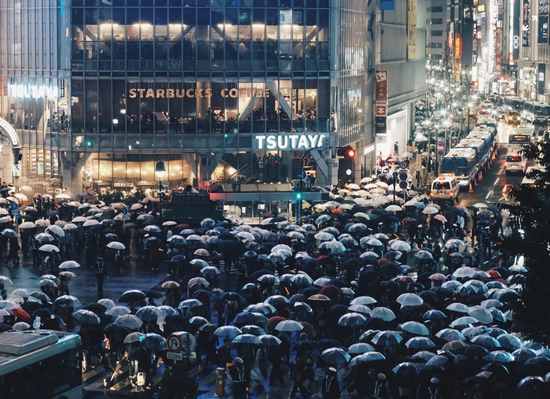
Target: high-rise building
(437, 29)
(133, 93)
(534, 57)
(400, 53)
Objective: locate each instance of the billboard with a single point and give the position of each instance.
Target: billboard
(516, 18)
(411, 29)
(525, 23)
(543, 21)
(541, 78)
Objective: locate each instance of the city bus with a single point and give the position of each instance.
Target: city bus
(537, 113)
(40, 364)
(461, 163)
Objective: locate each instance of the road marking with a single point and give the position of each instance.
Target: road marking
(489, 194)
(496, 181)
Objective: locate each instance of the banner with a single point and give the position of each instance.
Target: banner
(525, 23)
(541, 79)
(515, 31)
(411, 29)
(381, 102)
(543, 21)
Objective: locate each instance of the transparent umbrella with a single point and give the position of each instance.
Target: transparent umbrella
(289, 326)
(353, 320)
(409, 299)
(335, 357)
(128, 321)
(415, 328)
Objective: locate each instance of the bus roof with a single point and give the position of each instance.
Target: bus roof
(471, 143)
(468, 153)
(20, 349)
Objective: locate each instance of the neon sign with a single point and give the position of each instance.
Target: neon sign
(290, 142)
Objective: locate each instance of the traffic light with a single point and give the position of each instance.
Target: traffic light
(89, 143)
(298, 196)
(347, 152)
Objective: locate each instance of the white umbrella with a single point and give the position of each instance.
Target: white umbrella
(136, 207)
(69, 264)
(409, 299)
(289, 326)
(70, 226)
(430, 210)
(458, 307)
(90, 223)
(394, 208)
(481, 314)
(364, 300)
(117, 246)
(415, 328)
(27, 225)
(384, 314)
(399, 245)
(48, 248)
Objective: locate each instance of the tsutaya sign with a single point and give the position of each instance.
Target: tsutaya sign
(290, 142)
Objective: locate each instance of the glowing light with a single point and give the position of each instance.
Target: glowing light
(10, 131)
(19, 90)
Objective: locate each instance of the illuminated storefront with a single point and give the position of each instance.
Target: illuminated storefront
(195, 82)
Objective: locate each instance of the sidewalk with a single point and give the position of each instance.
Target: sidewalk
(425, 177)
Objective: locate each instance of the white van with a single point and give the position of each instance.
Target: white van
(515, 164)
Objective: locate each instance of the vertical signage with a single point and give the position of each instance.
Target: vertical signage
(3, 84)
(543, 21)
(525, 23)
(515, 31)
(541, 78)
(381, 102)
(411, 29)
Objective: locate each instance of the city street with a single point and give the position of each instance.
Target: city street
(490, 188)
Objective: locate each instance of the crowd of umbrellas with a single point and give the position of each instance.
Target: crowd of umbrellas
(372, 296)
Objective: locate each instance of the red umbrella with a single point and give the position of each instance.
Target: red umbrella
(21, 314)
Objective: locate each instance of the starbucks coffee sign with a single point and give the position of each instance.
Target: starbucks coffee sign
(290, 142)
(192, 92)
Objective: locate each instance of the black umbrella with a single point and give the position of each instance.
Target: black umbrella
(148, 314)
(246, 339)
(155, 342)
(419, 343)
(67, 301)
(86, 318)
(405, 374)
(367, 359)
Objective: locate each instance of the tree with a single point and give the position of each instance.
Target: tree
(533, 241)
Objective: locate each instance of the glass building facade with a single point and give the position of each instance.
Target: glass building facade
(191, 82)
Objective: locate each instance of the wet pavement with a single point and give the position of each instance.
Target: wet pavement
(490, 188)
(84, 285)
